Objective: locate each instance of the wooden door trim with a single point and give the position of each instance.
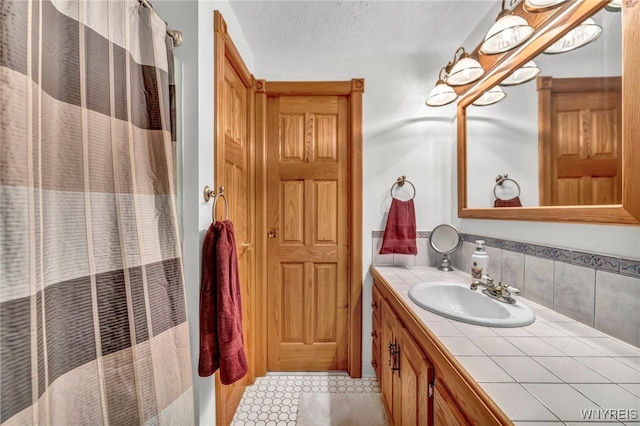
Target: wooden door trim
(353, 89)
(225, 49)
(548, 86)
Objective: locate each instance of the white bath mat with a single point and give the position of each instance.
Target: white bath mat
(341, 409)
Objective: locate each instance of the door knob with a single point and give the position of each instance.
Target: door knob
(246, 245)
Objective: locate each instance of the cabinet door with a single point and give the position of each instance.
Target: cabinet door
(416, 373)
(376, 333)
(376, 302)
(376, 346)
(446, 411)
(388, 324)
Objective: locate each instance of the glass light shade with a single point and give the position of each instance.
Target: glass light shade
(493, 95)
(584, 33)
(540, 5)
(464, 71)
(614, 6)
(441, 95)
(527, 72)
(508, 32)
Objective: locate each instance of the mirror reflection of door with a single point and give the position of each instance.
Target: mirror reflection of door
(580, 141)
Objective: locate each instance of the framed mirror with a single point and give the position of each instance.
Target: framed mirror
(529, 137)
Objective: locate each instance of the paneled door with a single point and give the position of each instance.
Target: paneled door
(234, 170)
(307, 217)
(581, 141)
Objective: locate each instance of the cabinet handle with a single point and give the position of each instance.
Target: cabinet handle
(373, 333)
(374, 304)
(396, 359)
(374, 363)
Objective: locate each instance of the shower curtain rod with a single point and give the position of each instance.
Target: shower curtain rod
(174, 34)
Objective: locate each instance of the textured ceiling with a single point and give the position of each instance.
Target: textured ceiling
(336, 28)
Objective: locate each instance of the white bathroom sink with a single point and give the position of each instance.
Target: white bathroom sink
(458, 302)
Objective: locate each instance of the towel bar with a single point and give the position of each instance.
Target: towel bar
(400, 182)
(208, 194)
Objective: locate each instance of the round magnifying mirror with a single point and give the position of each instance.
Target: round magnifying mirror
(445, 239)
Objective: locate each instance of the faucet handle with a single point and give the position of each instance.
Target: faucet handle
(513, 290)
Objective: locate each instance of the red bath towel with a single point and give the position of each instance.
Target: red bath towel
(400, 232)
(221, 338)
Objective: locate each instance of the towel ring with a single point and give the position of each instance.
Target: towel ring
(209, 193)
(400, 182)
(500, 179)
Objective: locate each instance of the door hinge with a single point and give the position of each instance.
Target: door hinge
(430, 391)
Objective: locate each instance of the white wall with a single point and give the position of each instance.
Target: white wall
(195, 20)
(401, 136)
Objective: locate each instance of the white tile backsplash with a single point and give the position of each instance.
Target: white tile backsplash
(618, 306)
(575, 292)
(538, 280)
(513, 269)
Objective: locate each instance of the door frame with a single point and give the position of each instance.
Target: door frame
(353, 90)
(225, 49)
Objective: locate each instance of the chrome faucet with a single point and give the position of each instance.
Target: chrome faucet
(501, 292)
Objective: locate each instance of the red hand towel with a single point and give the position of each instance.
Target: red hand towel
(400, 232)
(223, 345)
(209, 349)
(512, 202)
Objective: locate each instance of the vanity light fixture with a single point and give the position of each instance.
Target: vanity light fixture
(525, 73)
(614, 6)
(583, 34)
(541, 5)
(508, 32)
(442, 94)
(463, 70)
(490, 97)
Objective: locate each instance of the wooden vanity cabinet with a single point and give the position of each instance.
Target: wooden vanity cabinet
(406, 375)
(421, 383)
(376, 332)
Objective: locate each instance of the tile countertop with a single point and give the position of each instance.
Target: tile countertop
(555, 371)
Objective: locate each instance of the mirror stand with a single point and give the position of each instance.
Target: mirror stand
(445, 265)
(445, 240)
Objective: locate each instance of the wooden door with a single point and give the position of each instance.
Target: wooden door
(581, 141)
(415, 374)
(307, 217)
(234, 171)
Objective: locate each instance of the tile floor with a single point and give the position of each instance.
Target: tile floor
(273, 399)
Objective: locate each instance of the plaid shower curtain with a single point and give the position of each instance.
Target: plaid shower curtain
(93, 326)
